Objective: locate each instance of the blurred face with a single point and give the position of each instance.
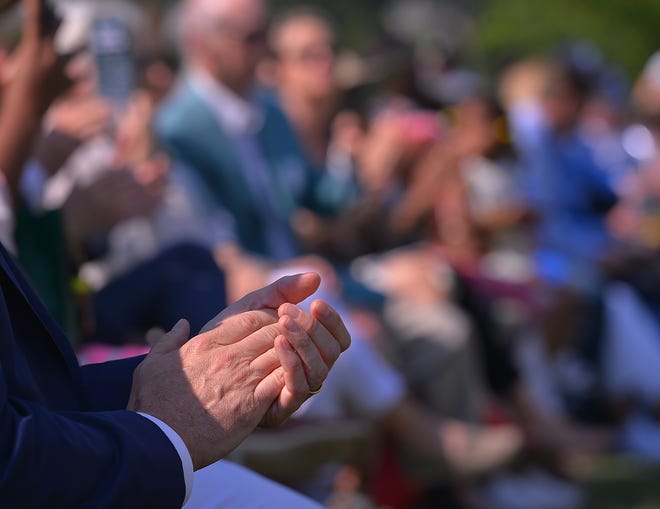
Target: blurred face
(234, 42)
(476, 126)
(306, 58)
(562, 106)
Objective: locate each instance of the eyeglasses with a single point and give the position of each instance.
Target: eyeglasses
(255, 37)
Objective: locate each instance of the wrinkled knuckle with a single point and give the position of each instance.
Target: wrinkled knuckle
(194, 346)
(292, 363)
(272, 331)
(250, 321)
(230, 358)
(301, 343)
(271, 313)
(279, 377)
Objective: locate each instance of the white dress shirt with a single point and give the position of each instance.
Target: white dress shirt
(223, 485)
(181, 449)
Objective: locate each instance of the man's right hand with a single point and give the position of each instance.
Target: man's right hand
(216, 388)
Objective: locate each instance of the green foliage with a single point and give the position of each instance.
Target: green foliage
(627, 31)
(357, 20)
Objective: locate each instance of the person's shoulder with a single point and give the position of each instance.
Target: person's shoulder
(180, 111)
(270, 105)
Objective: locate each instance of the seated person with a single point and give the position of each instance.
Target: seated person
(124, 443)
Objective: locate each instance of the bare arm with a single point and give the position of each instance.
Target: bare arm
(39, 78)
(466, 450)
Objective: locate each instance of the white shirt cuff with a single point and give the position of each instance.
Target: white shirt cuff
(177, 442)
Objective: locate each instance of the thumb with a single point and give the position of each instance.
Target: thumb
(292, 289)
(174, 339)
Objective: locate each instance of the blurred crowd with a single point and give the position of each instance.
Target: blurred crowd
(492, 242)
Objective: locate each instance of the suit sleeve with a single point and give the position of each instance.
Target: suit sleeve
(107, 386)
(79, 460)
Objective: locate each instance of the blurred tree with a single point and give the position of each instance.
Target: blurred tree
(357, 20)
(627, 31)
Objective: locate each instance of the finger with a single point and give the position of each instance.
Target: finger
(154, 335)
(333, 323)
(174, 339)
(327, 345)
(265, 363)
(31, 18)
(241, 327)
(259, 342)
(316, 368)
(287, 289)
(295, 380)
(39, 20)
(286, 386)
(268, 396)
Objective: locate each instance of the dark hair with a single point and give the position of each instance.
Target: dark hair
(285, 17)
(577, 81)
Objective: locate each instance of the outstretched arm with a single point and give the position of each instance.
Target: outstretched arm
(38, 80)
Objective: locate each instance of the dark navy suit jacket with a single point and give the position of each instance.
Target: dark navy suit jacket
(65, 439)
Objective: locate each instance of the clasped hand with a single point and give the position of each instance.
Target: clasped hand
(254, 364)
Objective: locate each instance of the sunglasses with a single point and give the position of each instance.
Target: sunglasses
(255, 37)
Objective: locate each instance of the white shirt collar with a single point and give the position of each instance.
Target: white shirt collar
(239, 117)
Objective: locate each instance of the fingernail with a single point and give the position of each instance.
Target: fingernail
(178, 325)
(294, 312)
(287, 346)
(324, 310)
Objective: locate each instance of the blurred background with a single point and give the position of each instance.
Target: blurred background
(477, 181)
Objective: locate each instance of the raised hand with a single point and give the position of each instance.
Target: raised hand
(309, 345)
(255, 363)
(39, 70)
(38, 77)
